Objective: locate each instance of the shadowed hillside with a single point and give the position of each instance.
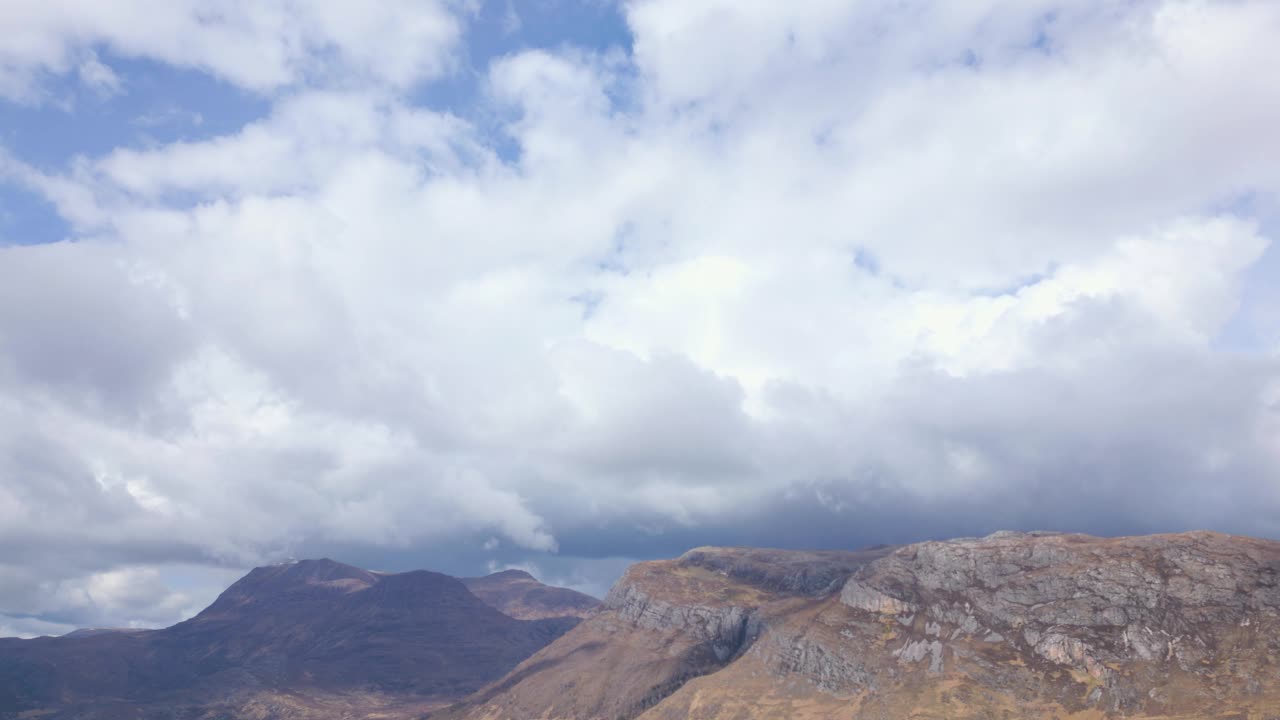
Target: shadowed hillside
(304, 634)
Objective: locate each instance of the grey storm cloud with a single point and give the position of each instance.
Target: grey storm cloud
(985, 268)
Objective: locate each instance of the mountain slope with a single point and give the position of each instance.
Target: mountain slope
(1015, 625)
(520, 595)
(310, 633)
(663, 623)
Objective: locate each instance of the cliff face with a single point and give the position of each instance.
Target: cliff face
(1018, 625)
(663, 624)
(1149, 625)
(1178, 584)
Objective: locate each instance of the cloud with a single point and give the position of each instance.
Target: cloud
(511, 22)
(29, 628)
(128, 596)
(99, 77)
(260, 46)
(829, 275)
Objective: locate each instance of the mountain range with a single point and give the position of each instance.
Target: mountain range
(314, 638)
(1009, 626)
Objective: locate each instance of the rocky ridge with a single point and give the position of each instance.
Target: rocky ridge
(1017, 625)
(1128, 614)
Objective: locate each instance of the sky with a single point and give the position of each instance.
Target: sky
(566, 284)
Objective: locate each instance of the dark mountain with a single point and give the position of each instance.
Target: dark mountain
(297, 640)
(520, 595)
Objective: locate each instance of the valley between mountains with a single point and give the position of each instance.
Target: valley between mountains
(1010, 626)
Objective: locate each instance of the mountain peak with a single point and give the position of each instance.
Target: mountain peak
(520, 595)
(289, 581)
(512, 574)
(321, 569)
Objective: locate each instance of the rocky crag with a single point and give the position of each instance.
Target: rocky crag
(1014, 625)
(663, 624)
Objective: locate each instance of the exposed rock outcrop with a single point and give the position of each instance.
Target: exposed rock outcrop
(662, 625)
(1018, 625)
(1082, 601)
(722, 628)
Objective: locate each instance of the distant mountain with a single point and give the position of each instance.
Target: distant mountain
(90, 632)
(1023, 626)
(306, 639)
(520, 595)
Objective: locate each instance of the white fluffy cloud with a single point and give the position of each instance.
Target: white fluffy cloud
(951, 267)
(261, 46)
